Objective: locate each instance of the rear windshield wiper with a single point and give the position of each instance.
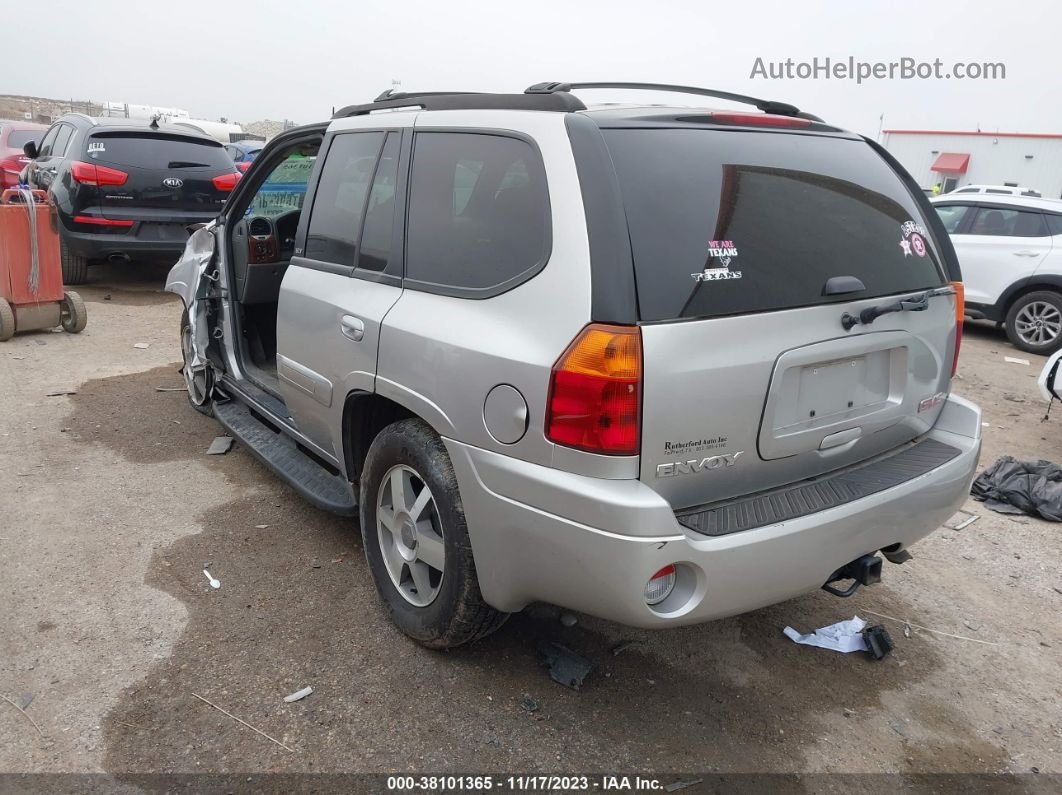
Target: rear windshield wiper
(186, 164)
(912, 303)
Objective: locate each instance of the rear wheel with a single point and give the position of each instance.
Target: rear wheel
(7, 320)
(1034, 322)
(416, 540)
(75, 268)
(74, 316)
(200, 384)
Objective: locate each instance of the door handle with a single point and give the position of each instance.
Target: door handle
(1025, 253)
(352, 327)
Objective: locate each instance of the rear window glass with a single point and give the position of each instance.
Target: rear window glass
(165, 152)
(727, 222)
(16, 139)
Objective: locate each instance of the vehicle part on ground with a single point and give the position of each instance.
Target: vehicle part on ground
(565, 666)
(1034, 322)
(878, 641)
(1021, 487)
(416, 541)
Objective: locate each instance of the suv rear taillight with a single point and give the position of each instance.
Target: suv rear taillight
(595, 392)
(92, 174)
(226, 182)
(960, 316)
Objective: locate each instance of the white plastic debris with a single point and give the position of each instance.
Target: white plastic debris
(844, 636)
(215, 584)
(298, 695)
(1016, 360)
(142, 345)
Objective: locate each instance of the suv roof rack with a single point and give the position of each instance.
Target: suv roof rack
(766, 105)
(465, 100)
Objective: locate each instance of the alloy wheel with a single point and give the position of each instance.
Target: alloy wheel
(1038, 323)
(410, 535)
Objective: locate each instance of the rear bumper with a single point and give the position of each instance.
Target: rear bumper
(157, 240)
(587, 544)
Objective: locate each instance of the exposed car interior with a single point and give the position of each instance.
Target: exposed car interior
(262, 244)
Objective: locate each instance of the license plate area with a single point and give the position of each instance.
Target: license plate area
(814, 394)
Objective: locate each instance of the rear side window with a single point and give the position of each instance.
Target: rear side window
(1000, 222)
(1054, 224)
(157, 151)
(339, 201)
(729, 222)
(479, 216)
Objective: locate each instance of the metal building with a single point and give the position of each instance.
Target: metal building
(954, 159)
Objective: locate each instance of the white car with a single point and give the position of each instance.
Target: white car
(997, 190)
(1010, 252)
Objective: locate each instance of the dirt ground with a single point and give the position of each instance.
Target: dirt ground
(110, 510)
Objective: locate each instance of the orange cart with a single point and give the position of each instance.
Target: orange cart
(31, 274)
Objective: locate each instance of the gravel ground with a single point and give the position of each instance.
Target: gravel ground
(111, 510)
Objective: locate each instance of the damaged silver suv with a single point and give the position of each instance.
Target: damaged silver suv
(655, 364)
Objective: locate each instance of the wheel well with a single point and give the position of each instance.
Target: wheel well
(1047, 287)
(364, 416)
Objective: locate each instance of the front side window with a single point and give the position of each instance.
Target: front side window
(62, 140)
(479, 216)
(951, 215)
(285, 188)
(340, 199)
(999, 222)
(45, 149)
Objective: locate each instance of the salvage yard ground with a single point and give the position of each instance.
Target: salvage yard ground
(110, 510)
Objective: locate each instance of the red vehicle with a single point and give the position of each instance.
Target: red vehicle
(13, 135)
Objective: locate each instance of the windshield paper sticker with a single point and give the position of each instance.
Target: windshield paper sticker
(723, 252)
(914, 239)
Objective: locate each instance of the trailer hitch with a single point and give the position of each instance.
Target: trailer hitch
(862, 571)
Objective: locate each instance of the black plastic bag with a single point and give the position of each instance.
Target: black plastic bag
(1012, 486)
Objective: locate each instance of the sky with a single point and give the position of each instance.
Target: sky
(279, 59)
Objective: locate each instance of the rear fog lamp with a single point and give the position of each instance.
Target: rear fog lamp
(660, 585)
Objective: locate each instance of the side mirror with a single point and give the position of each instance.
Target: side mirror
(30, 148)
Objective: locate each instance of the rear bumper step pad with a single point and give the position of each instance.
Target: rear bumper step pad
(277, 451)
(819, 494)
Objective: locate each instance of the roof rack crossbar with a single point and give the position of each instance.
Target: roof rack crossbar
(766, 105)
(464, 100)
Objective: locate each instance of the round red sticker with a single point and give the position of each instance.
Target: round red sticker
(918, 244)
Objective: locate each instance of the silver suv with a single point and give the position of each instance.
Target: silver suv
(655, 364)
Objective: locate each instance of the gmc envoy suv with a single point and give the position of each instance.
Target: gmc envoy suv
(655, 364)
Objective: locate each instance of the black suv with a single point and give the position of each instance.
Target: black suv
(126, 189)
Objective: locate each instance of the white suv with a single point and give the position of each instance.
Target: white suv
(1010, 250)
(998, 190)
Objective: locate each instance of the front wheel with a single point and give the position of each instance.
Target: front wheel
(1034, 322)
(416, 540)
(200, 384)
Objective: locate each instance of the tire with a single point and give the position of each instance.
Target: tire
(200, 386)
(441, 606)
(75, 268)
(73, 313)
(1034, 322)
(7, 321)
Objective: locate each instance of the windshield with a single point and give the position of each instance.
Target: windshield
(285, 189)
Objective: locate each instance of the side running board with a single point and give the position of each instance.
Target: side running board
(318, 485)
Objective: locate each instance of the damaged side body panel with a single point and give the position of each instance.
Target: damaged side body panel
(192, 278)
